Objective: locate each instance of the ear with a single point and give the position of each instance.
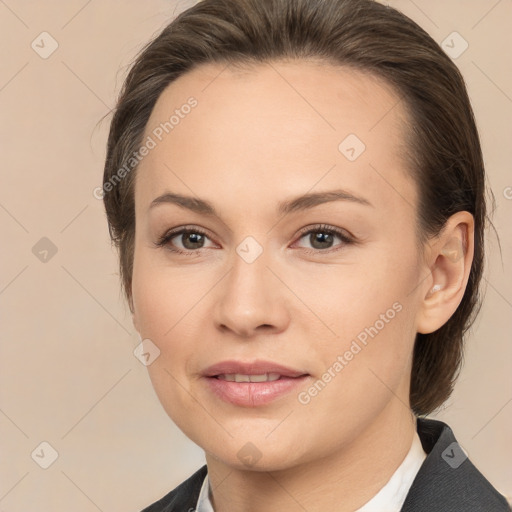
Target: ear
(448, 258)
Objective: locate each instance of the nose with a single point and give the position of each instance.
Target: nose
(251, 300)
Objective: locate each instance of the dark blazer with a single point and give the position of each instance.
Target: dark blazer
(446, 482)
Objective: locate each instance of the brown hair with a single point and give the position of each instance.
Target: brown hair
(444, 148)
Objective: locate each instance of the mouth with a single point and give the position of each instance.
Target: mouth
(252, 384)
(252, 369)
(239, 377)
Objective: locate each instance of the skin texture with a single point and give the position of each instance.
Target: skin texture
(259, 136)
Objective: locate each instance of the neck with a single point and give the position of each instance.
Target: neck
(344, 481)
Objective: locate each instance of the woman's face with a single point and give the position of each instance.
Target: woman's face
(326, 286)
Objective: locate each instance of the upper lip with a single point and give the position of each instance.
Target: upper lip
(251, 368)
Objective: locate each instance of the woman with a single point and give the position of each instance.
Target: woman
(296, 189)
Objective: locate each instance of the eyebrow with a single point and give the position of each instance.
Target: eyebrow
(300, 203)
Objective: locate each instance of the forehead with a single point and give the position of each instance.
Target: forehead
(283, 125)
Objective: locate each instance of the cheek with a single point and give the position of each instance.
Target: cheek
(169, 304)
(165, 314)
(374, 341)
(364, 370)
(372, 313)
(366, 301)
(161, 296)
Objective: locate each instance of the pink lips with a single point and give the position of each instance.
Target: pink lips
(254, 368)
(252, 394)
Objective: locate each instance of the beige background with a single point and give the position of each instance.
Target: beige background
(68, 374)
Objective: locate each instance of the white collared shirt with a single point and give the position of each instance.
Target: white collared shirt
(389, 499)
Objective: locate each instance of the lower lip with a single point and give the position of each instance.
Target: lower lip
(253, 394)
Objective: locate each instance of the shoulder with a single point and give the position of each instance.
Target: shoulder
(448, 480)
(184, 497)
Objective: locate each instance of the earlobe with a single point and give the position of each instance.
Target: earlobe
(449, 260)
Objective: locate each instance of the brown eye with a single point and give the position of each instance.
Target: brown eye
(185, 240)
(321, 238)
(191, 240)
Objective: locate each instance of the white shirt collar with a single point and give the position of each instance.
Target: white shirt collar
(390, 498)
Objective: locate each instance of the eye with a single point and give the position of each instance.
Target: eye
(190, 238)
(322, 237)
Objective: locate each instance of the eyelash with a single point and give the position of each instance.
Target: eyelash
(164, 240)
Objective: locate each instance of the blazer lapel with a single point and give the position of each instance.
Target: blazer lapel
(447, 480)
(184, 497)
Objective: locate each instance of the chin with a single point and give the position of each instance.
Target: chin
(255, 453)
(254, 460)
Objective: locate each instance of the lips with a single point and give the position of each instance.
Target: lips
(251, 368)
(252, 384)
